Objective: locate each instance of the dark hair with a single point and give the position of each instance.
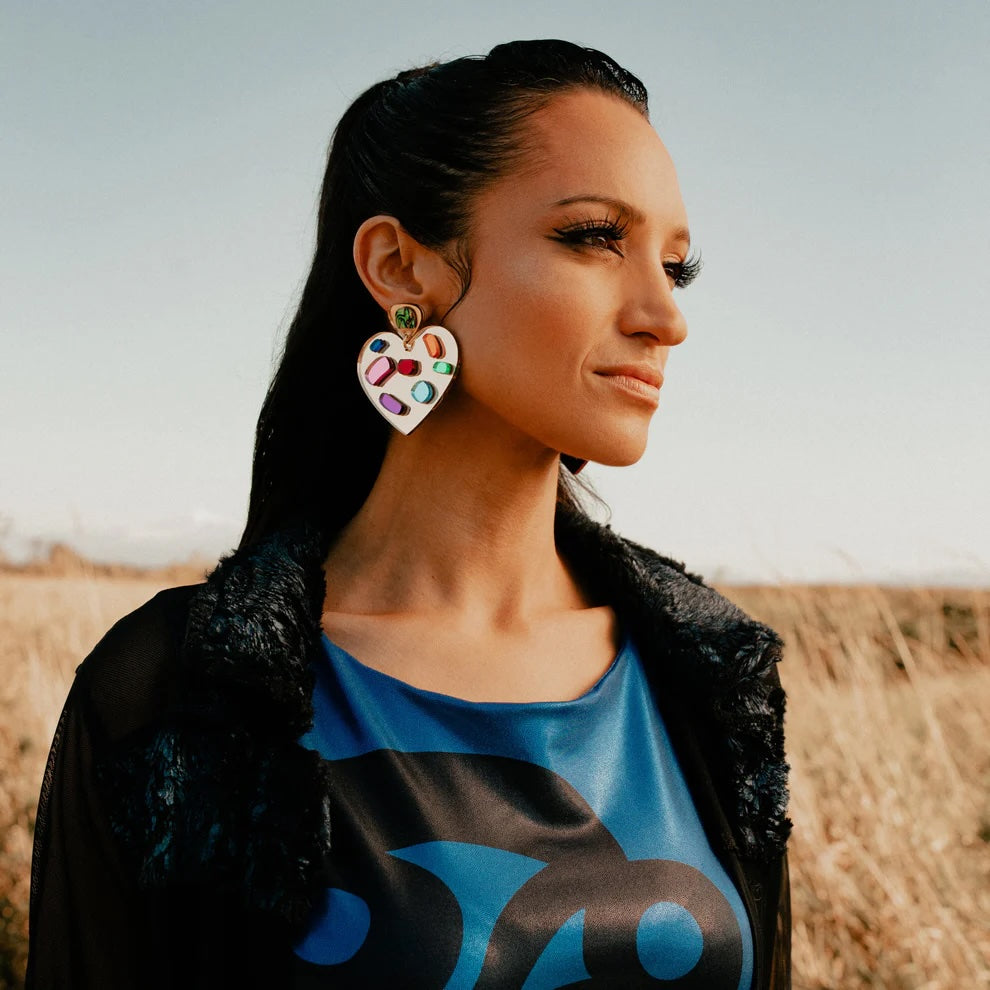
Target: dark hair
(418, 147)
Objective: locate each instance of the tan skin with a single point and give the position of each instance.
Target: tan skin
(448, 577)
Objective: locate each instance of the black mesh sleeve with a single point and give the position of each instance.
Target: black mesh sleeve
(780, 966)
(90, 924)
(85, 911)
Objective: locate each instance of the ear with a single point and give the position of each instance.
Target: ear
(396, 268)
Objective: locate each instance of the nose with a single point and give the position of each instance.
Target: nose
(651, 308)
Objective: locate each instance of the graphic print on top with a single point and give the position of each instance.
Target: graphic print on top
(493, 845)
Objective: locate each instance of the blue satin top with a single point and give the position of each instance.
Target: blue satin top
(492, 845)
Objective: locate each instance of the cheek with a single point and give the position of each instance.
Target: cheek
(532, 308)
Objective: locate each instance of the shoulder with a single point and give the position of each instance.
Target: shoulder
(717, 662)
(130, 676)
(202, 694)
(671, 603)
(689, 590)
(734, 653)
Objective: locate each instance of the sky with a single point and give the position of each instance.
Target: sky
(825, 420)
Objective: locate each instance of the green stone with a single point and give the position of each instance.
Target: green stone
(405, 318)
(443, 367)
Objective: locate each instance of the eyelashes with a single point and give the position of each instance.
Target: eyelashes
(593, 233)
(607, 235)
(684, 272)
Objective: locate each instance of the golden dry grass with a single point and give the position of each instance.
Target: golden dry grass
(47, 625)
(888, 712)
(889, 703)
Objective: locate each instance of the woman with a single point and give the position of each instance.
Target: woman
(430, 725)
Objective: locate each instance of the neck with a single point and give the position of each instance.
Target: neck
(460, 527)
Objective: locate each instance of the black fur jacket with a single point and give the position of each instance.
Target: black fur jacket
(183, 834)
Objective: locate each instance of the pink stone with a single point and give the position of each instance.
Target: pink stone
(380, 370)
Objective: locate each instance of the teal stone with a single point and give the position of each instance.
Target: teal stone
(378, 345)
(422, 391)
(443, 367)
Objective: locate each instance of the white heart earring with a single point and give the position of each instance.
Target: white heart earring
(405, 372)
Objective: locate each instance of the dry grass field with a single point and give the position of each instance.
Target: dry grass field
(889, 705)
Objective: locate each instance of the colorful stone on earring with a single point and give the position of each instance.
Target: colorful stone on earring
(423, 391)
(434, 347)
(407, 370)
(380, 370)
(405, 318)
(392, 404)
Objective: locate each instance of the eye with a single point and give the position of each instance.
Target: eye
(602, 235)
(683, 273)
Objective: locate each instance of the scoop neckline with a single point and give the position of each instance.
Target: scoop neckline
(397, 683)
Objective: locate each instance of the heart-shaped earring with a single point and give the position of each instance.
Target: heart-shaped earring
(406, 372)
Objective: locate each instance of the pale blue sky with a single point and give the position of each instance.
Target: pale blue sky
(826, 417)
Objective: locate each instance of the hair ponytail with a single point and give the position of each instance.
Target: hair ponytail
(418, 147)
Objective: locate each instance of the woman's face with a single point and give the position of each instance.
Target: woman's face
(570, 315)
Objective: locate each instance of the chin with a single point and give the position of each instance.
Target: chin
(617, 461)
(616, 454)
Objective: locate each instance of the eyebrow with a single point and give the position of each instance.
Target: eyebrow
(679, 233)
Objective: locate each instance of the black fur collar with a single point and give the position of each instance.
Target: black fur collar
(223, 792)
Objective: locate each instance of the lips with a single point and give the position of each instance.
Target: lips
(644, 372)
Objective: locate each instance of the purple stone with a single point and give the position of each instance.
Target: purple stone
(392, 404)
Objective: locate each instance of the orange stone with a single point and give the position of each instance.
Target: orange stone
(433, 346)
